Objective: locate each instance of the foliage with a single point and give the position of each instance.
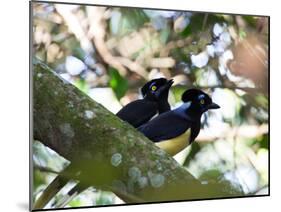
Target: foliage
(118, 83)
(226, 55)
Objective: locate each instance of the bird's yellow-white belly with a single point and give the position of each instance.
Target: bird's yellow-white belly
(175, 145)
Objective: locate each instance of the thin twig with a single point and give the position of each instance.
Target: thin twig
(97, 32)
(75, 27)
(205, 21)
(45, 169)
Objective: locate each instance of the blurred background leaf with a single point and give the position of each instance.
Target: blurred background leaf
(118, 83)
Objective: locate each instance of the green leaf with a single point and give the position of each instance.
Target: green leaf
(82, 85)
(38, 180)
(262, 100)
(242, 34)
(75, 203)
(261, 142)
(129, 21)
(118, 83)
(264, 142)
(177, 91)
(198, 22)
(251, 20)
(164, 35)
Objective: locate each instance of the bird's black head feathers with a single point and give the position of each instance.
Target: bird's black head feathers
(200, 101)
(157, 89)
(155, 100)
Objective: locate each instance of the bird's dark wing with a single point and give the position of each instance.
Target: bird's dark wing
(138, 112)
(165, 126)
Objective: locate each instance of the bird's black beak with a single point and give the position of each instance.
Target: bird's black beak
(169, 83)
(213, 106)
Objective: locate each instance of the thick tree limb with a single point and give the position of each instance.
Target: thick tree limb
(109, 152)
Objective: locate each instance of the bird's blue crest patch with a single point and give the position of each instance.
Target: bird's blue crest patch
(202, 96)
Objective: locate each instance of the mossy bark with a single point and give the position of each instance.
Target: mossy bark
(110, 154)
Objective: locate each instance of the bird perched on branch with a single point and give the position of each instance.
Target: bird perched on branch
(171, 131)
(174, 130)
(155, 100)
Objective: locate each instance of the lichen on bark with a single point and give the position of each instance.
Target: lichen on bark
(111, 154)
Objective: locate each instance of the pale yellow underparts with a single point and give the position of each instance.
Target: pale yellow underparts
(175, 145)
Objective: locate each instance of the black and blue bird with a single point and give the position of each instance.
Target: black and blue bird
(174, 130)
(155, 101)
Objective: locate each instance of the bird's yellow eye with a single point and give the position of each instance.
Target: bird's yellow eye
(202, 101)
(153, 88)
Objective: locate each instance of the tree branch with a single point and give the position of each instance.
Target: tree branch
(109, 152)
